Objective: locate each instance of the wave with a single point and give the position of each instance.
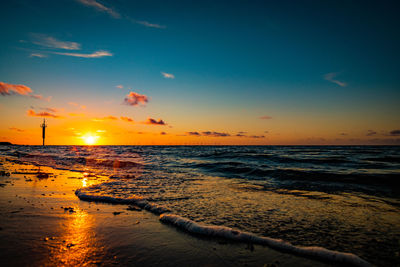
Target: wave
(222, 231)
(235, 235)
(229, 169)
(135, 200)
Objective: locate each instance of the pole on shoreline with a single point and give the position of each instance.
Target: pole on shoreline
(43, 125)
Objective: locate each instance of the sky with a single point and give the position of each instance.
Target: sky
(120, 72)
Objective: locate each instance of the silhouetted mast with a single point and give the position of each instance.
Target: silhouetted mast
(43, 125)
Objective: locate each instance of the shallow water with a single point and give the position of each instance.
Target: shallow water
(340, 198)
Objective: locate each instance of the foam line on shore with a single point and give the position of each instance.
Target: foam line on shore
(228, 233)
(135, 200)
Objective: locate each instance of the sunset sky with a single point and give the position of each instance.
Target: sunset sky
(119, 72)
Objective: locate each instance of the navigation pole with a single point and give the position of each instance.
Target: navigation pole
(43, 125)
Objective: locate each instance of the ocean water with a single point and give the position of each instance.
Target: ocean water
(341, 198)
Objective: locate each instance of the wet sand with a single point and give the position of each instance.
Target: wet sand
(44, 223)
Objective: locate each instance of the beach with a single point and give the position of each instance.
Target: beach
(44, 223)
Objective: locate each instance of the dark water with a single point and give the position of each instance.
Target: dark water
(342, 198)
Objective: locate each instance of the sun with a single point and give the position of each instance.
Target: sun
(89, 139)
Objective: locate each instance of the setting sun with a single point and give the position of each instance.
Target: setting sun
(90, 139)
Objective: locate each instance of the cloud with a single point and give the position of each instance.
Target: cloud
(331, 77)
(148, 24)
(215, 134)
(37, 96)
(193, 133)
(77, 105)
(163, 133)
(134, 99)
(168, 75)
(343, 134)
(32, 113)
(371, 133)
(9, 89)
(51, 42)
(16, 129)
(395, 133)
(265, 118)
(152, 121)
(50, 109)
(257, 136)
(100, 7)
(97, 54)
(108, 118)
(113, 13)
(127, 119)
(120, 86)
(251, 136)
(38, 55)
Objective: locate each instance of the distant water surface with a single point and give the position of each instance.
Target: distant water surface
(343, 198)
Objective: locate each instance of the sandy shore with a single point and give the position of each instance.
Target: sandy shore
(44, 223)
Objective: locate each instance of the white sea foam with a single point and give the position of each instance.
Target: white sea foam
(228, 233)
(135, 200)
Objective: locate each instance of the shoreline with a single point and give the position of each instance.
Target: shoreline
(44, 223)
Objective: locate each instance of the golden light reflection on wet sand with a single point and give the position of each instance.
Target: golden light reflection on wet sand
(77, 245)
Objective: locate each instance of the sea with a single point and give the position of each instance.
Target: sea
(340, 198)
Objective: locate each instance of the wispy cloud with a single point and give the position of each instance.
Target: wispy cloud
(168, 75)
(76, 105)
(371, 133)
(107, 118)
(134, 99)
(127, 119)
(97, 54)
(54, 110)
(100, 7)
(256, 136)
(39, 55)
(51, 42)
(193, 133)
(119, 86)
(16, 129)
(163, 133)
(215, 134)
(152, 121)
(48, 99)
(148, 24)
(10, 89)
(331, 77)
(265, 117)
(115, 14)
(32, 113)
(395, 133)
(19, 89)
